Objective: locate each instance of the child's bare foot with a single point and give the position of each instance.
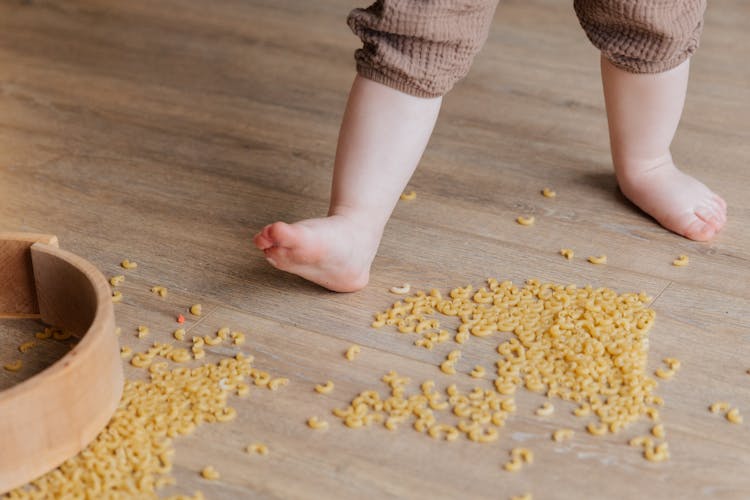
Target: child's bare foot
(334, 252)
(676, 200)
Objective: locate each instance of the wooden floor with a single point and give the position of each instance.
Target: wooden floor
(169, 132)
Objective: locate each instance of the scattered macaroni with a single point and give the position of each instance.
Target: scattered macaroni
(275, 383)
(567, 253)
(658, 431)
(602, 259)
(478, 372)
(352, 352)
(117, 280)
(326, 388)
(734, 416)
(116, 296)
(13, 366)
(562, 435)
(159, 290)
(545, 410)
(26, 346)
(210, 473)
(258, 448)
(410, 195)
(179, 334)
(681, 261)
(125, 351)
(142, 331)
(664, 374)
(315, 423)
(719, 406)
(127, 264)
(525, 221)
(196, 309)
(548, 193)
(401, 290)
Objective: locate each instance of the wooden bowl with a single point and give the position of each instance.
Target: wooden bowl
(53, 415)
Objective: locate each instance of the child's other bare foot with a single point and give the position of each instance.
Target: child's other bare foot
(334, 252)
(676, 200)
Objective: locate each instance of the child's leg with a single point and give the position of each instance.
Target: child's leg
(412, 54)
(646, 46)
(383, 135)
(643, 111)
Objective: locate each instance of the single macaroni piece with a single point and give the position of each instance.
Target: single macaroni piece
(602, 259)
(58, 334)
(238, 338)
(410, 195)
(274, 384)
(525, 454)
(665, 374)
(673, 363)
(582, 411)
(243, 389)
(478, 372)
(208, 340)
(545, 410)
(179, 334)
(142, 331)
(198, 352)
(26, 346)
(659, 453)
(514, 465)
(548, 193)
(13, 366)
(226, 414)
(258, 448)
(562, 435)
(734, 416)
(641, 441)
(454, 355)
(401, 290)
(117, 280)
(315, 423)
(658, 431)
(447, 367)
(116, 296)
(352, 352)
(196, 309)
(525, 496)
(159, 290)
(180, 355)
(597, 430)
(719, 406)
(127, 264)
(681, 261)
(125, 351)
(567, 253)
(525, 221)
(210, 473)
(324, 388)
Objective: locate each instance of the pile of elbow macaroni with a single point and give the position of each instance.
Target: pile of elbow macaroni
(132, 456)
(585, 345)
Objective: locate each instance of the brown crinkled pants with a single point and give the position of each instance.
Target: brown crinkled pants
(423, 47)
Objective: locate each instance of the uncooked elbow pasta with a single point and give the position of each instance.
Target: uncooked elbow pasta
(567, 253)
(734, 416)
(13, 366)
(326, 388)
(116, 296)
(258, 448)
(401, 290)
(562, 434)
(127, 264)
(317, 424)
(159, 290)
(352, 352)
(196, 309)
(410, 195)
(525, 221)
(210, 473)
(681, 261)
(545, 410)
(117, 280)
(277, 382)
(548, 193)
(601, 259)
